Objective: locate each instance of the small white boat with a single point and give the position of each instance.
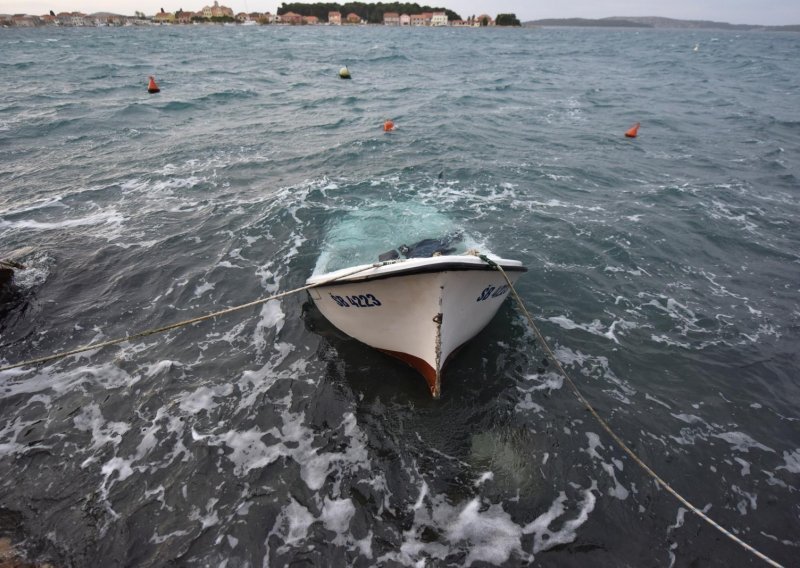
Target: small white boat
(420, 310)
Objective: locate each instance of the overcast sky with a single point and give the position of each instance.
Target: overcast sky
(767, 12)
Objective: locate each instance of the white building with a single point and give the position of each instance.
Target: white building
(439, 19)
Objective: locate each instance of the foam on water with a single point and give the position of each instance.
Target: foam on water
(365, 233)
(663, 272)
(486, 532)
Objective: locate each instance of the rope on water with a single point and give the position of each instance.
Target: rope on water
(539, 335)
(184, 323)
(614, 436)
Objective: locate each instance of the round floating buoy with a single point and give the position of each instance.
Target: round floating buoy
(152, 87)
(344, 73)
(388, 126)
(633, 131)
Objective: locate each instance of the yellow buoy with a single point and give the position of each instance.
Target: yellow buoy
(344, 73)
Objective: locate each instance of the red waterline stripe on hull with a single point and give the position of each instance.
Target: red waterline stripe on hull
(421, 366)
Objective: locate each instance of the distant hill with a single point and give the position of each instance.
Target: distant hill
(584, 23)
(655, 22)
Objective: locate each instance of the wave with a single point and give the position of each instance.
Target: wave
(663, 270)
(388, 59)
(19, 65)
(226, 96)
(173, 106)
(102, 218)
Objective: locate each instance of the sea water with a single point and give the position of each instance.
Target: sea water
(365, 234)
(664, 272)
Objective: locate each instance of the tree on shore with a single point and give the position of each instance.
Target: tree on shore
(507, 20)
(372, 13)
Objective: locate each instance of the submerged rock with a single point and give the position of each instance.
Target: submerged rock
(512, 455)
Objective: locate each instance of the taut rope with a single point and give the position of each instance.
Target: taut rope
(614, 436)
(184, 323)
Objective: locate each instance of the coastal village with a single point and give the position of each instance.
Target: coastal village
(219, 14)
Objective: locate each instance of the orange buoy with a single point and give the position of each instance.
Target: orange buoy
(634, 130)
(388, 126)
(152, 87)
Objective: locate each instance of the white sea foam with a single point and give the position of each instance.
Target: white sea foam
(595, 328)
(689, 418)
(161, 367)
(204, 398)
(792, 461)
(667, 341)
(485, 532)
(293, 524)
(527, 404)
(150, 441)
(12, 430)
(721, 211)
(120, 466)
(544, 538)
(745, 465)
(632, 272)
(272, 318)
(423, 492)
(27, 207)
(492, 536)
(596, 365)
(202, 288)
(336, 516)
(618, 490)
(679, 519)
(290, 527)
(112, 218)
(648, 396)
(785, 542)
(91, 420)
(741, 442)
(207, 518)
(484, 477)
(248, 451)
(594, 443)
(748, 498)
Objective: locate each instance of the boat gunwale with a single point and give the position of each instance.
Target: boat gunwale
(443, 264)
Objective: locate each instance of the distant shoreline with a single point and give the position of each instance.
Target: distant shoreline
(655, 23)
(635, 23)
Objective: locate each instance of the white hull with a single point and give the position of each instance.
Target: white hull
(420, 310)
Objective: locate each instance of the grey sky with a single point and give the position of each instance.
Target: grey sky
(767, 12)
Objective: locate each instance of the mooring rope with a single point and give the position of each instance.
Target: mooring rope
(92, 346)
(545, 346)
(613, 435)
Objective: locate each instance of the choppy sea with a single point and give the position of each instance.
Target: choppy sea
(664, 271)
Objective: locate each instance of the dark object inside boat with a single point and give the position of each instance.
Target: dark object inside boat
(423, 249)
(389, 255)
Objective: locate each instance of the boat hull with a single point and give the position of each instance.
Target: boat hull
(419, 310)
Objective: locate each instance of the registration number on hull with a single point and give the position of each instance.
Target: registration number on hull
(359, 301)
(492, 292)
